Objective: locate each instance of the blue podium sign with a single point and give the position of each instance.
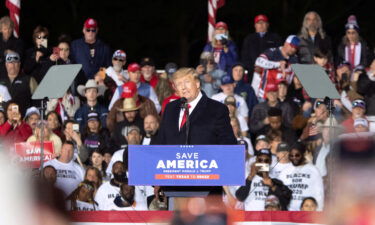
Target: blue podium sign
(187, 165)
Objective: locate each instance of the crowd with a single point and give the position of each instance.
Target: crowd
(112, 104)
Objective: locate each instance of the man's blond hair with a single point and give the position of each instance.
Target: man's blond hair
(185, 71)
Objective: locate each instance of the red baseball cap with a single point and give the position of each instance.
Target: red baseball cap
(133, 67)
(90, 23)
(261, 17)
(221, 25)
(129, 89)
(271, 87)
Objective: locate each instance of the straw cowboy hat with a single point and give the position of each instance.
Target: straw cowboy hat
(129, 104)
(91, 84)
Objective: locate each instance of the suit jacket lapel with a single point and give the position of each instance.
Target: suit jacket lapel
(198, 109)
(175, 117)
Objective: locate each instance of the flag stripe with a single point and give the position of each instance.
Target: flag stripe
(213, 5)
(14, 7)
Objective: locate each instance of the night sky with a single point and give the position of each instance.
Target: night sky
(174, 30)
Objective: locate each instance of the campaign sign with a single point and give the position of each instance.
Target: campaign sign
(187, 165)
(29, 153)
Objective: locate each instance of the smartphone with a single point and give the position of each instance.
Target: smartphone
(76, 127)
(15, 109)
(263, 167)
(44, 43)
(56, 51)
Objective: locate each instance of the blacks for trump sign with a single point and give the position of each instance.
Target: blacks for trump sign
(187, 165)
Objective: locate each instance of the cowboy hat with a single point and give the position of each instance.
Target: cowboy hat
(81, 89)
(129, 104)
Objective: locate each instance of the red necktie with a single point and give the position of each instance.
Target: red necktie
(183, 121)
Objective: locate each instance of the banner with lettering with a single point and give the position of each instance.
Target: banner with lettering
(187, 165)
(29, 153)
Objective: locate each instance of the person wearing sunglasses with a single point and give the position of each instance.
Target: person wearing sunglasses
(90, 51)
(353, 48)
(20, 86)
(302, 178)
(358, 111)
(8, 42)
(35, 56)
(116, 71)
(259, 185)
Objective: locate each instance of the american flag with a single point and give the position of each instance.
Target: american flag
(213, 5)
(14, 7)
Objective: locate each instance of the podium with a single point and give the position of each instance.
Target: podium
(187, 170)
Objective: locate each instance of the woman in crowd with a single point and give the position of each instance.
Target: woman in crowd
(69, 103)
(95, 136)
(82, 198)
(353, 48)
(38, 54)
(71, 133)
(14, 129)
(309, 204)
(98, 162)
(95, 176)
(54, 123)
(48, 136)
(3, 116)
(223, 48)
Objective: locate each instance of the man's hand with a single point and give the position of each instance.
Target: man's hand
(268, 181)
(54, 57)
(208, 78)
(77, 138)
(226, 49)
(283, 65)
(200, 69)
(253, 171)
(266, 121)
(38, 54)
(306, 106)
(16, 120)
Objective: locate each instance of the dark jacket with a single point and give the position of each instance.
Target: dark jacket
(118, 139)
(260, 112)
(226, 59)
(282, 192)
(209, 124)
(247, 92)
(366, 54)
(94, 141)
(307, 47)
(253, 45)
(366, 88)
(81, 115)
(31, 66)
(14, 44)
(288, 135)
(80, 53)
(20, 90)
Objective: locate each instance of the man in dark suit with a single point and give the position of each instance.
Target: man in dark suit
(209, 119)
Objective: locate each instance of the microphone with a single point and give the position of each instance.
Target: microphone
(183, 102)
